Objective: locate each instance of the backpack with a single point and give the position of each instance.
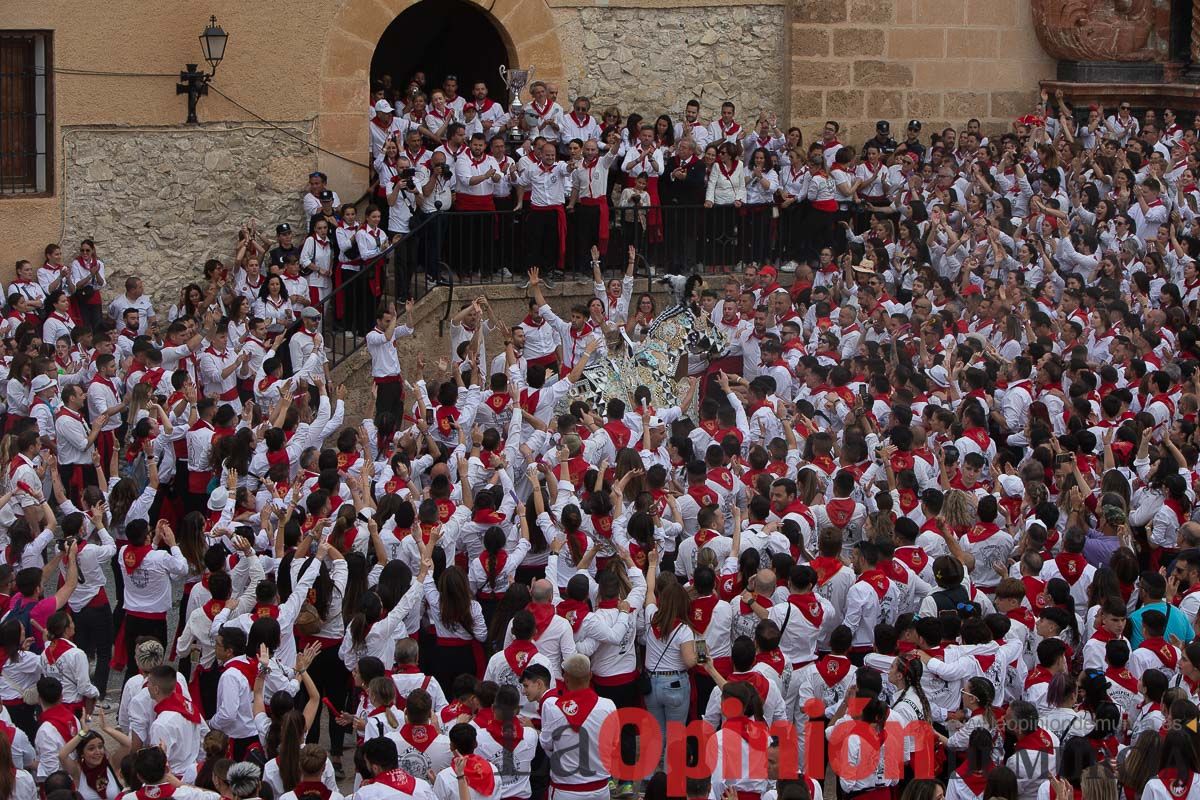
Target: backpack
(21, 611)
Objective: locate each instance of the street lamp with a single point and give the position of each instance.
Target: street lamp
(194, 83)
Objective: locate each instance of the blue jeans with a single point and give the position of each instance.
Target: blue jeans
(668, 701)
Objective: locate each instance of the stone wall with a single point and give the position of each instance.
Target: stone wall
(160, 201)
(653, 60)
(940, 61)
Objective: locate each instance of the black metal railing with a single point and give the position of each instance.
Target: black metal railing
(467, 248)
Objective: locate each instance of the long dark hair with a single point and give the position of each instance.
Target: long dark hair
(370, 611)
(356, 585)
(494, 539)
(455, 599)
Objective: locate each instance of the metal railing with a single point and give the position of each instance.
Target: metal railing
(469, 248)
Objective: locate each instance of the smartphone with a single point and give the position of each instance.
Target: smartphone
(1064, 458)
(701, 651)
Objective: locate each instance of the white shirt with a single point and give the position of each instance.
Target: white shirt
(119, 304)
(466, 168)
(548, 183)
(148, 588)
(234, 715)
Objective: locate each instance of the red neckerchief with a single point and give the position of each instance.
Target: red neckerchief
(56, 649)
(587, 119)
(577, 705)
(312, 787)
(1166, 652)
(975, 780)
(1122, 677)
(809, 607)
(543, 615)
(397, 779)
(773, 659)
(62, 719)
(248, 670)
(702, 611)
(877, 581)
(731, 130)
(480, 776)
(573, 611)
(1037, 740)
(728, 173)
(1038, 674)
(180, 705)
(840, 511)
(134, 555)
(833, 668)
(1071, 565)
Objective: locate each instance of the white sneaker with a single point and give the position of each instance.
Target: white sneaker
(789, 266)
(524, 285)
(504, 273)
(545, 282)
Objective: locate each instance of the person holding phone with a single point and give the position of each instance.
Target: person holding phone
(670, 648)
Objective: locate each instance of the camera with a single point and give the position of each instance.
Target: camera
(65, 543)
(445, 171)
(407, 174)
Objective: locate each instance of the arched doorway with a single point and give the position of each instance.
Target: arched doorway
(440, 38)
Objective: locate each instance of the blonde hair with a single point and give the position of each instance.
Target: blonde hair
(957, 510)
(382, 692)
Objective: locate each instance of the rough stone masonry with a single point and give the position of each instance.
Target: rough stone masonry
(652, 60)
(161, 201)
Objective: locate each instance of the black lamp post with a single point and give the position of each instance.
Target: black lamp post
(194, 83)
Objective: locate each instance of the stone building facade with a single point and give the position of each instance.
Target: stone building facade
(160, 196)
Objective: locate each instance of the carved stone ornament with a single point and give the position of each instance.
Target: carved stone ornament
(1103, 30)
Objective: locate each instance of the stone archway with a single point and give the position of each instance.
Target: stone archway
(526, 25)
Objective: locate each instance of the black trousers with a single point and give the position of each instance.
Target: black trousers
(75, 477)
(626, 695)
(430, 241)
(452, 662)
(136, 628)
(541, 238)
(755, 233)
(94, 636)
(25, 717)
(330, 674)
(358, 311)
(791, 232)
(585, 222)
(389, 397)
(507, 235)
(723, 234)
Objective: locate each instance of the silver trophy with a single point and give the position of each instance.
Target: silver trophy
(515, 80)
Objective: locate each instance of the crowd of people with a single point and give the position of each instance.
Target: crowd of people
(945, 475)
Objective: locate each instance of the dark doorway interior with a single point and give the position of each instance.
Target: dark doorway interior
(439, 38)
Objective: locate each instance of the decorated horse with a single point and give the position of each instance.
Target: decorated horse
(678, 340)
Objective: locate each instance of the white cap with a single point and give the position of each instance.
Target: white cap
(384, 107)
(218, 499)
(41, 383)
(1011, 485)
(656, 422)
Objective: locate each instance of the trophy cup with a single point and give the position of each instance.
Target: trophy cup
(515, 80)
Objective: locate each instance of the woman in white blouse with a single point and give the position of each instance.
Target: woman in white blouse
(761, 185)
(458, 622)
(273, 305)
(670, 648)
(316, 259)
(724, 195)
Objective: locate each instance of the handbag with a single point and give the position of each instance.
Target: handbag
(643, 679)
(308, 621)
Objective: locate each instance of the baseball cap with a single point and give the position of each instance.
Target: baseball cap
(383, 107)
(972, 289)
(914, 124)
(656, 422)
(883, 126)
(325, 195)
(310, 313)
(282, 227)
